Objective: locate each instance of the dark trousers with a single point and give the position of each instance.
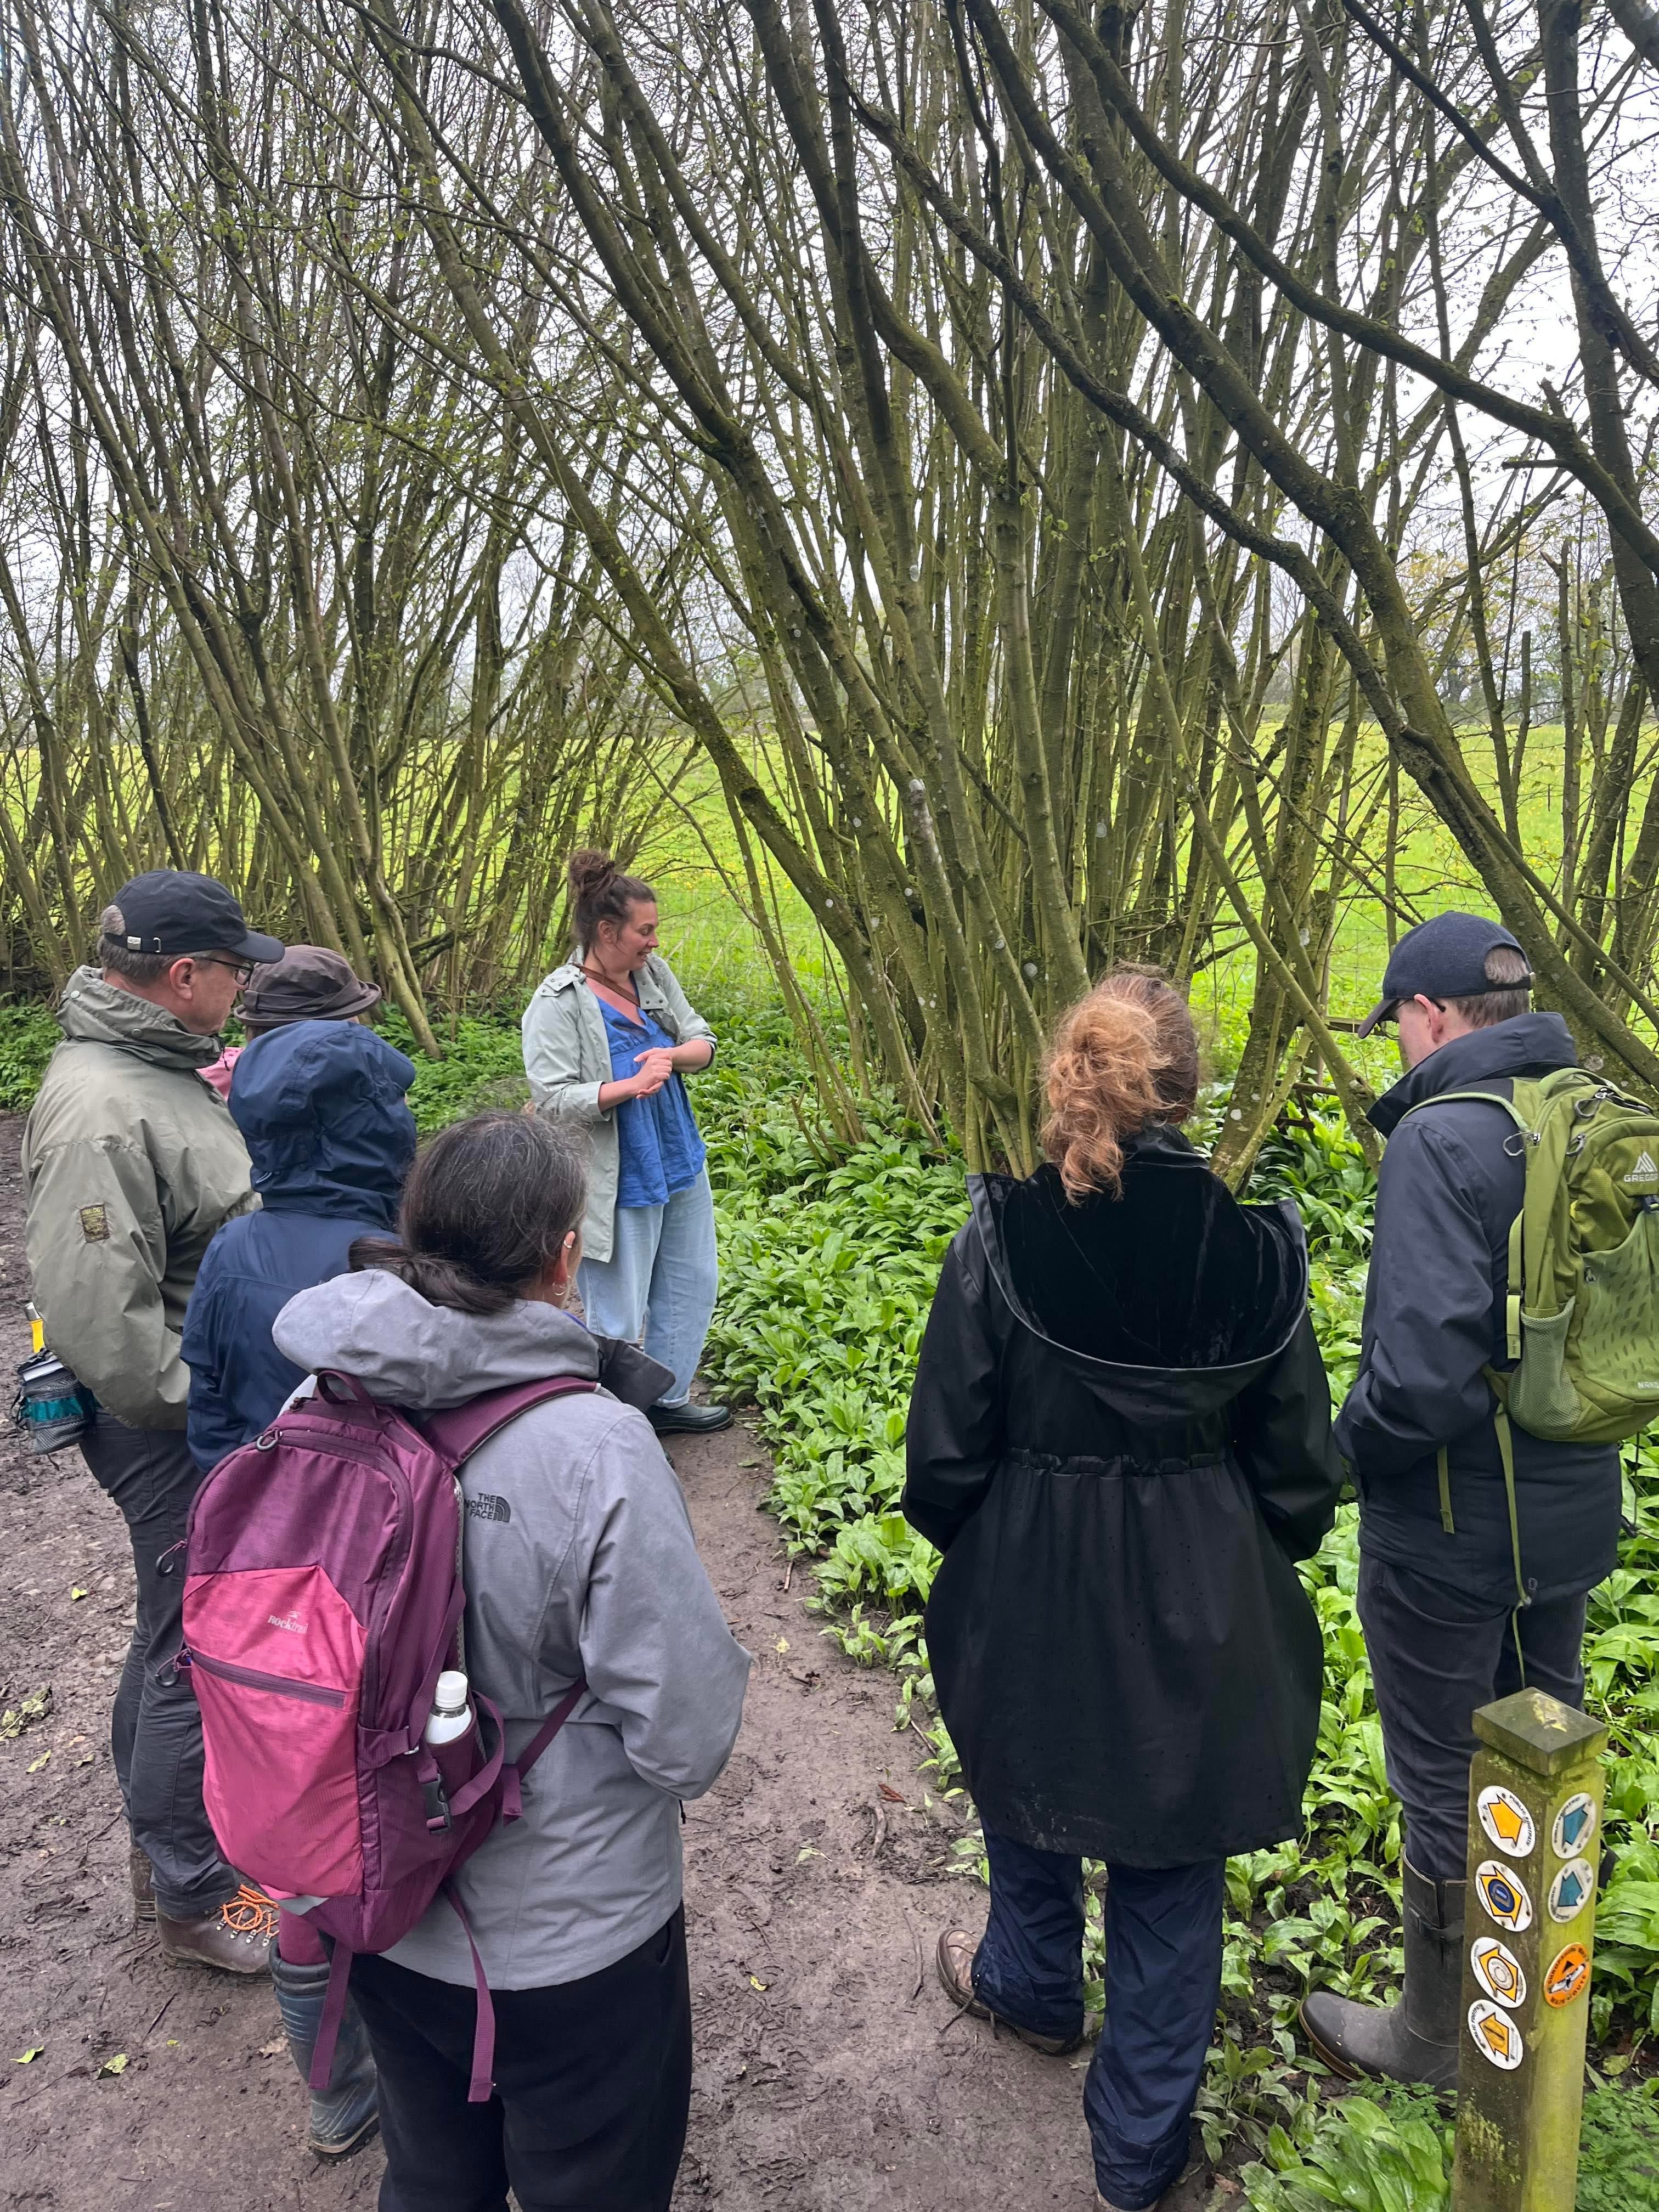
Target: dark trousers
(155, 1733)
(1437, 1657)
(593, 2086)
(1163, 1983)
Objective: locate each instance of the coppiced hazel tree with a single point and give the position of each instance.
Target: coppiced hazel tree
(1076, 476)
(281, 592)
(1020, 352)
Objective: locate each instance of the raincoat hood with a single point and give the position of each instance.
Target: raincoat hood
(1527, 1044)
(406, 1351)
(1166, 1299)
(93, 1011)
(321, 1108)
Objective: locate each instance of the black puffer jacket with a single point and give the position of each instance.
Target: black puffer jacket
(1449, 1189)
(1119, 1437)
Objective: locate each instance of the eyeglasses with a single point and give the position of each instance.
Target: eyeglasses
(241, 970)
(1391, 1019)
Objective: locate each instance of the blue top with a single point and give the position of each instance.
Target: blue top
(659, 1151)
(321, 1107)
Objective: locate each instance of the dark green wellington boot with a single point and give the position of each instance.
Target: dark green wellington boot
(1416, 2038)
(347, 2113)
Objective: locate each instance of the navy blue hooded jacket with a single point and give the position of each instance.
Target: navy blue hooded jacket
(321, 1108)
(1450, 1188)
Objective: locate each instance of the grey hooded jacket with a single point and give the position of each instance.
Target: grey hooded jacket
(578, 1559)
(567, 1058)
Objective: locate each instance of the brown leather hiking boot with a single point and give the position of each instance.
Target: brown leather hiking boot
(955, 1953)
(236, 1938)
(142, 1875)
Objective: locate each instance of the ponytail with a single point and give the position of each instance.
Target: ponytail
(1123, 1058)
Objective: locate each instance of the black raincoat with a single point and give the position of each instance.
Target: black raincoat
(1121, 1439)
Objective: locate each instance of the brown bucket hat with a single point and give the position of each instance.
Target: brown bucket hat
(309, 983)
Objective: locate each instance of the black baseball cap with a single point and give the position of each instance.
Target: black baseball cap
(169, 910)
(1444, 958)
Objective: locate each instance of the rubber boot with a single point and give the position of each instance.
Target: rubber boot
(347, 2113)
(1416, 2038)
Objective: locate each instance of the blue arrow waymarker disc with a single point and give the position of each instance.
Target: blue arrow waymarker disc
(1571, 1890)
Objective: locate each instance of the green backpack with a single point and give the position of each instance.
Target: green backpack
(1583, 1311)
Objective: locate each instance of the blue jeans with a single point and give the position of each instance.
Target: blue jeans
(660, 1282)
(1163, 1983)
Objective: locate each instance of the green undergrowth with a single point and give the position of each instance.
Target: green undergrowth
(482, 1065)
(829, 1255)
(1390, 2150)
(28, 1034)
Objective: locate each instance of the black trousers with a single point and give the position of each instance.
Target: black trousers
(155, 1732)
(1437, 1656)
(593, 2086)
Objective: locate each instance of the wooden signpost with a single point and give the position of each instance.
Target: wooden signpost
(1529, 1932)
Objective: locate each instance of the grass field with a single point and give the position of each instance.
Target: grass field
(691, 856)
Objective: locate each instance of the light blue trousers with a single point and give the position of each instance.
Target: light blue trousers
(660, 1282)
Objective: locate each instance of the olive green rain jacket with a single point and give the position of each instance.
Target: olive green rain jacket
(131, 1163)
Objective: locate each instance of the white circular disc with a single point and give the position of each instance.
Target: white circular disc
(1502, 1895)
(1506, 1820)
(1498, 1971)
(1574, 1824)
(1496, 2038)
(1571, 1890)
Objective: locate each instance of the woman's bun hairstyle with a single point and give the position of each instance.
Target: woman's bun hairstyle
(485, 1212)
(590, 872)
(1122, 1059)
(599, 892)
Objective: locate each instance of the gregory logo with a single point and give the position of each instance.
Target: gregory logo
(290, 1621)
(1644, 1171)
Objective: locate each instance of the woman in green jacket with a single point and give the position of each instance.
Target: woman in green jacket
(609, 1039)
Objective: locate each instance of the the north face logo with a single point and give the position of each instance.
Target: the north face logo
(1644, 1171)
(291, 1622)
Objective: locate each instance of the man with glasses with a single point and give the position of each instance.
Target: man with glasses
(1438, 1596)
(132, 1163)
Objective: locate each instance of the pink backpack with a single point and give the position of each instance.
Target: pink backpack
(322, 1599)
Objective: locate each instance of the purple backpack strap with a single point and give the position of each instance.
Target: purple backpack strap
(511, 1803)
(334, 2005)
(482, 2085)
(459, 1430)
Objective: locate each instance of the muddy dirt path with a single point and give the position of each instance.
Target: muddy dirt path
(831, 2074)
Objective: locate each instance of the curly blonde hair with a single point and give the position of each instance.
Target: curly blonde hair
(1125, 1056)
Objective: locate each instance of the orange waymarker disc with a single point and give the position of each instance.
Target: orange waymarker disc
(1568, 1977)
